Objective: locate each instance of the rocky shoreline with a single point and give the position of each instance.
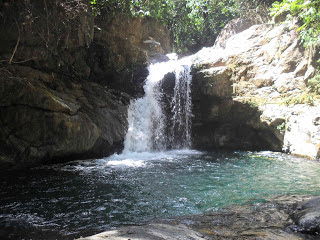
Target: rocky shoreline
(280, 217)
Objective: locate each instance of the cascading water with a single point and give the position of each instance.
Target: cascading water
(181, 107)
(146, 118)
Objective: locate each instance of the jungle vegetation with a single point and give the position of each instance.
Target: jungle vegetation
(193, 24)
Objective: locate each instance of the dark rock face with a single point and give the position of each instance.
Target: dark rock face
(103, 71)
(43, 119)
(64, 94)
(231, 125)
(221, 122)
(122, 49)
(49, 36)
(307, 216)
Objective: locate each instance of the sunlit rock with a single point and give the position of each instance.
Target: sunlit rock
(302, 135)
(245, 89)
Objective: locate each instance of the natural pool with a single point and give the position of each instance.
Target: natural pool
(86, 197)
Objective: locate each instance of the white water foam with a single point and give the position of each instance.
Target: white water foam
(146, 117)
(144, 159)
(181, 106)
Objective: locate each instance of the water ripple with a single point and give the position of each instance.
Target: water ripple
(84, 197)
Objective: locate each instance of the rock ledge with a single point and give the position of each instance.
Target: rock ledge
(282, 217)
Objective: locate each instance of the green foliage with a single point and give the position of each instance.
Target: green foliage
(282, 127)
(308, 12)
(305, 98)
(198, 23)
(192, 23)
(314, 84)
(253, 4)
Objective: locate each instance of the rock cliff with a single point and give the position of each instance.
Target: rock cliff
(250, 91)
(66, 79)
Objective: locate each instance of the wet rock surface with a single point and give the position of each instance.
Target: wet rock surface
(45, 120)
(307, 216)
(275, 218)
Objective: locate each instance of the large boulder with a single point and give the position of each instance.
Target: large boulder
(46, 117)
(307, 216)
(65, 37)
(302, 135)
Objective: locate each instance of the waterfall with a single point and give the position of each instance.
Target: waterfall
(181, 107)
(150, 128)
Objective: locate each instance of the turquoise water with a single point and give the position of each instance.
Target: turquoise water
(83, 198)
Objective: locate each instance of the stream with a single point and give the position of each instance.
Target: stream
(82, 198)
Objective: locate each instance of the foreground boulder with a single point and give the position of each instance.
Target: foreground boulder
(307, 216)
(259, 219)
(156, 231)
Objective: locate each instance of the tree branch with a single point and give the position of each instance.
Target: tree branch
(17, 44)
